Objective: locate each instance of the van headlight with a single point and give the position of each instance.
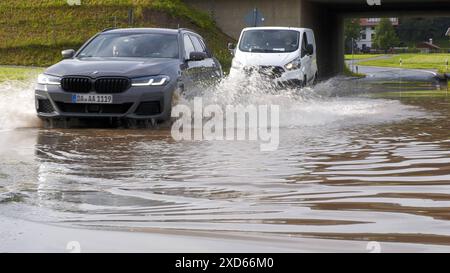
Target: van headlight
(294, 64)
(46, 79)
(151, 81)
(236, 64)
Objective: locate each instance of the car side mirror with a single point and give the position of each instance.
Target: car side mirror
(310, 49)
(68, 53)
(197, 56)
(231, 48)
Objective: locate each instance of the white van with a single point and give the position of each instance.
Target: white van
(285, 54)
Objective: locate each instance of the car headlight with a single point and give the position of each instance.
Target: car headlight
(45, 79)
(293, 65)
(151, 81)
(236, 64)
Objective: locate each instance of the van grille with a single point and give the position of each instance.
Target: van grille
(271, 72)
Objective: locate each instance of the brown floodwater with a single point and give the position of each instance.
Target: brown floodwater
(349, 167)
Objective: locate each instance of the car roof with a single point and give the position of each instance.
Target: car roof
(142, 30)
(277, 28)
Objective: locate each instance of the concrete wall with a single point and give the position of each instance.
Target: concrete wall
(230, 14)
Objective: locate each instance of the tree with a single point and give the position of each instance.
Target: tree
(352, 30)
(422, 29)
(385, 35)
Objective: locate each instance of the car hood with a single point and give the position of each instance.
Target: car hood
(272, 59)
(98, 67)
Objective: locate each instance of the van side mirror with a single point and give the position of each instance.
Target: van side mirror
(310, 49)
(197, 56)
(231, 48)
(68, 53)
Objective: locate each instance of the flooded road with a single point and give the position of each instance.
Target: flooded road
(351, 168)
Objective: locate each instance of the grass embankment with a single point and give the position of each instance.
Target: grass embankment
(34, 32)
(349, 57)
(18, 73)
(435, 62)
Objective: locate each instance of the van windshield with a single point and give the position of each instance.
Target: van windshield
(135, 45)
(270, 41)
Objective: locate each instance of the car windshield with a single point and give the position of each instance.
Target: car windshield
(147, 45)
(269, 41)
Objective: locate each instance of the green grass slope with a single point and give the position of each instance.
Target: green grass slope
(34, 32)
(18, 73)
(414, 61)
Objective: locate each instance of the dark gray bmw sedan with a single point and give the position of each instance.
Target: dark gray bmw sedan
(131, 75)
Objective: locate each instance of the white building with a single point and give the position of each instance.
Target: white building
(368, 31)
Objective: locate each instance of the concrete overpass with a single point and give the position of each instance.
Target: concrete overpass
(324, 16)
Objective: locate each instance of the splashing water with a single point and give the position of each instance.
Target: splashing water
(332, 102)
(17, 109)
(309, 106)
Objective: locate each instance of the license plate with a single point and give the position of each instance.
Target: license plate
(84, 98)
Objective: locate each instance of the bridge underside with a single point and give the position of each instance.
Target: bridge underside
(325, 17)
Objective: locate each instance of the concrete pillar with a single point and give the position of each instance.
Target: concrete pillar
(329, 31)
